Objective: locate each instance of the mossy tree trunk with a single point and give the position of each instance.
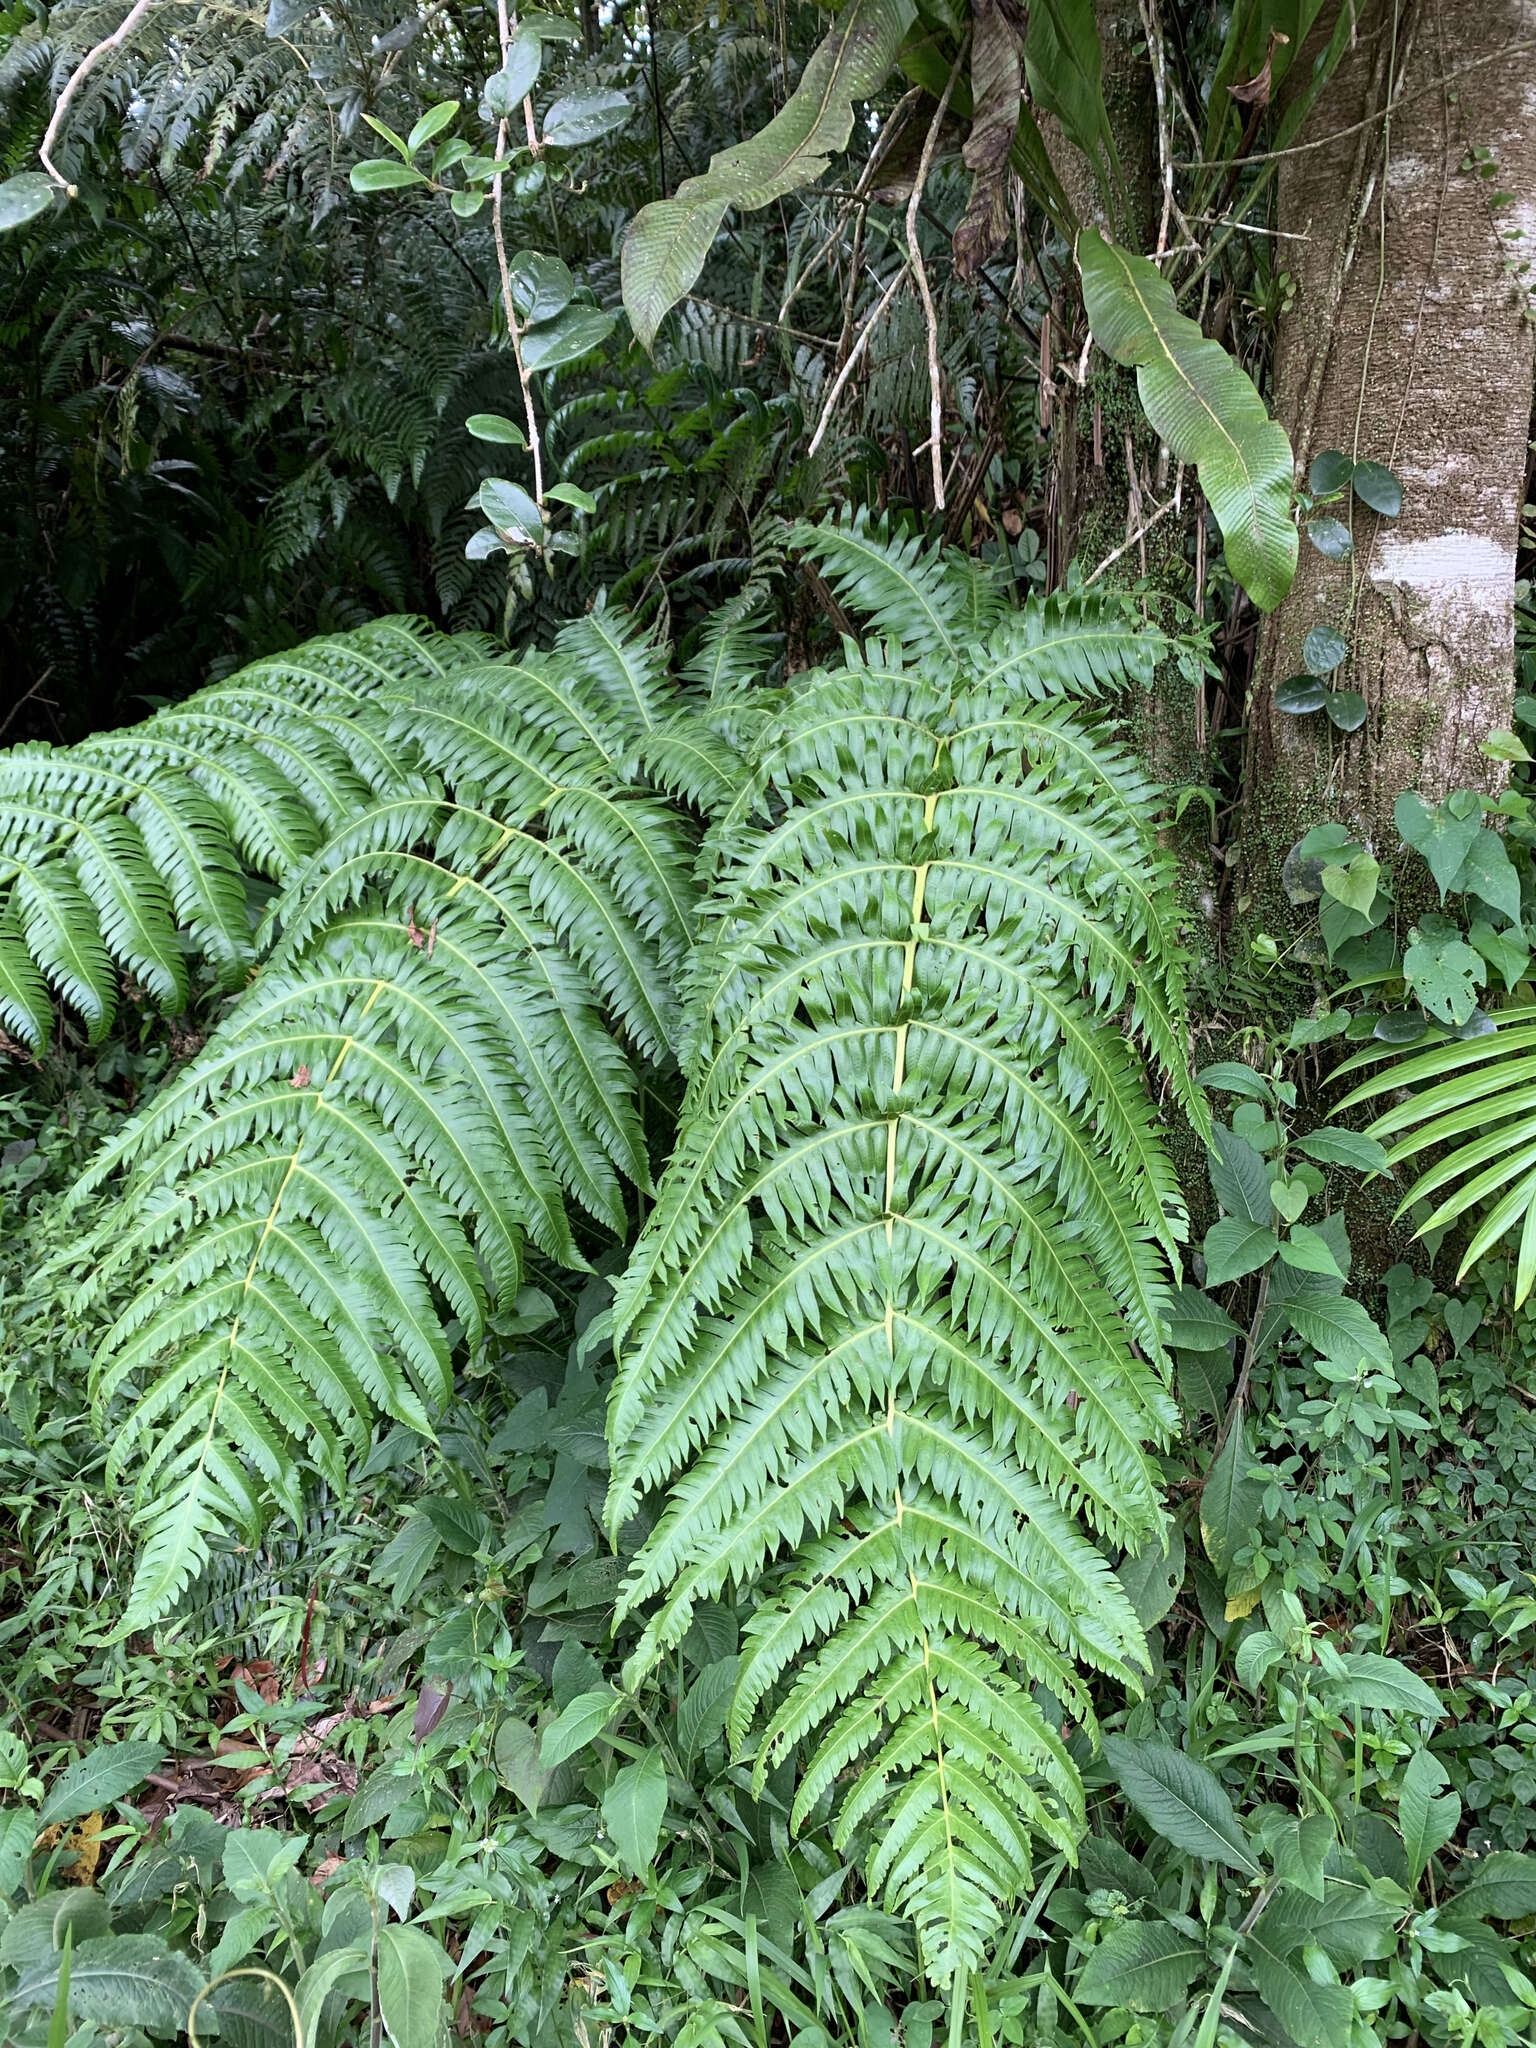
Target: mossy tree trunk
(1408, 344)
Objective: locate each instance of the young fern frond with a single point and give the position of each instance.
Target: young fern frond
(429, 1069)
(892, 1337)
(130, 851)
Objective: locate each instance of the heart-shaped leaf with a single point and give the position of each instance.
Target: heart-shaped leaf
(1331, 537)
(577, 331)
(1323, 649)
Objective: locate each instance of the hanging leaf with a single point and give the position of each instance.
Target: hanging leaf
(1299, 695)
(1376, 486)
(997, 81)
(1347, 709)
(23, 198)
(410, 1987)
(1331, 537)
(1229, 1499)
(584, 116)
(1066, 65)
(1427, 1815)
(634, 1807)
(506, 89)
(1330, 472)
(576, 332)
(1204, 407)
(667, 242)
(1323, 650)
(542, 286)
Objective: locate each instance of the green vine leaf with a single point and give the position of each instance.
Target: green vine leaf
(1204, 407)
(667, 242)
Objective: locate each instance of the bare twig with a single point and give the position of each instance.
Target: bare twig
(914, 251)
(1132, 540)
(73, 83)
(866, 332)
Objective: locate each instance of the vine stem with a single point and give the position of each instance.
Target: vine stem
(914, 251)
(72, 85)
(504, 25)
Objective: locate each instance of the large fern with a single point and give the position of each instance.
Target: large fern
(429, 1068)
(130, 852)
(892, 1337)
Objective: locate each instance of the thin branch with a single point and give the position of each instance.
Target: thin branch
(840, 382)
(914, 251)
(72, 85)
(1131, 540)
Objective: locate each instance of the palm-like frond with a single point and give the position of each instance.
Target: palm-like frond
(892, 1336)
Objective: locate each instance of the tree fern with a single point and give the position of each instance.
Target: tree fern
(892, 1337)
(129, 851)
(429, 1069)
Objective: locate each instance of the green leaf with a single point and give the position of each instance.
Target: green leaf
(431, 125)
(1236, 1079)
(518, 1765)
(1204, 407)
(1324, 649)
(1152, 1577)
(701, 1712)
(1299, 1848)
(1229, 1498)
(1372, 1681)
(583, 116)
(1500, 745)
(1350, 1923)
(1438, 834)
(1354, 886)
(1145, 1965)
(571, 494)
(95, 1780)
(1234, 1248)
(411, 1971)
(18, 1831)
(378, 174)
(1347, 709)
(1064, 65)
(119, 1980)
(506, 89)
(1498, 1887)
(1181, 1799)
(1340, 1329)
(1239, 1178)
(586, 1716)
(1426, 1815)
(1376, 486)
(1487, 872)
(1196, 1323)
(578, 331)
(1319, 2015)
(1300, 695)
(1345, 1148)
(510, 509)
(1506, 952)
(1331, 538)
(633, 1809)
(1445, 975)
(667, 242)
(23, 197)
(541, 285)
(1306, 1252)
(1290, 1197)
(1330, 472)
(551, 28)
(492, 426)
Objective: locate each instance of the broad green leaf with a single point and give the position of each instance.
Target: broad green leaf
(1346, 709)
(1299, 695)
(633, 1809)
(506, 89)
(1345, 1148)
(1181, 1799)
(1204, 407)
(411, 1971)
(667, 242)
(95, 1780)
(1487, 872)
(1426, 1814)
(701, 1713)
(1305, 1252)
(1196, 1323)
(583, 116)
(1065, 66)
(1376, 486)
(510, 509)
(1506, 952)
(1234, 1248)
(1339, 1328)
(1229, 1498)
(1330, 471)
(119, 1980)
(34, 1932)
(1298, 1849)
(18, 1831)
(1501, 1886)
(1331, 538)
(1504, 745)
(518, 1765)
(1152, 1577)
(1236, 1079)
(23, 197)
(1349, 1922)
(1319, 2015)
(1372, 1681)
(325, 1975)
(586, 1716)
(1354, 886)
(1438, 834)
(378, 174)
(576, 332)
(1324, 649)
(494, 426)
(1146, 1965)
(1240, 1178)
(571, 494)
(541, 285)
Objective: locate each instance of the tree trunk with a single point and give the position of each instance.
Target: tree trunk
(1408, 345)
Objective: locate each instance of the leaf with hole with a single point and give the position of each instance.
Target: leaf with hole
(1445, 975)
(1488, 873)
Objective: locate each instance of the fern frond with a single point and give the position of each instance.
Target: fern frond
(892, 1338)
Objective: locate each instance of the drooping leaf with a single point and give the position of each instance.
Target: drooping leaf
(634, 1807)
(667, 241)
(997, 80)
(410, 1987)
(1376, 486)
(119, 1980)
(1229, 1498)
(1321, 2015)
(1426, 1813)
(1065, 64)
(1204, 407)
(584, 116)
(574, 333)
(23, 197)
(1235, 1247)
